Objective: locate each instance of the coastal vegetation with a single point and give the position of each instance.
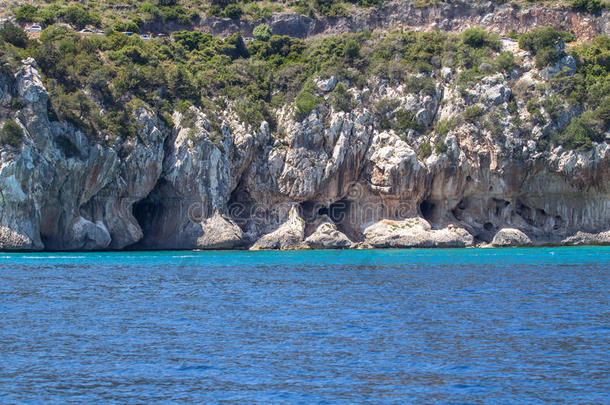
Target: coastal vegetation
(98, 81)
(11, 134)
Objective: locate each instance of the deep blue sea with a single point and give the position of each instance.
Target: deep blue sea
(479, 326)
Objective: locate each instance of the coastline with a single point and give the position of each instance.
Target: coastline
(430, 153)
(361, 247)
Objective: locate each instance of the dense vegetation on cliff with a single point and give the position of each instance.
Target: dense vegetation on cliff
(423, 138)
(97, 81)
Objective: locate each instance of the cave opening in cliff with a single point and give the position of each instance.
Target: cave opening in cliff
(338, 211)
(145, 212)
(533, 216)
(309, 211)
(152, 212)
(427, 209)
(241, 206)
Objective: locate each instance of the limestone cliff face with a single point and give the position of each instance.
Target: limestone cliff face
(63, 191)
(333, 180)
(446, 16)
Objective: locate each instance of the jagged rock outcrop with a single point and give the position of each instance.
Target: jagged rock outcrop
(219, 232)
(11, 240)
(288, 236)
(332, 180)
(64, 191)
(584, 238)
(200, 169)
(137, 174)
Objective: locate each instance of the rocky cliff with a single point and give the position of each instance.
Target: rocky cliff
(453, 16)
(334, 179)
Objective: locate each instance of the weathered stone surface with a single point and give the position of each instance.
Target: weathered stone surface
(219, 232)
(497, 94)
(414, 232)
(446, 73)
(10, 240)
(584, 238)
(288, 236)
(327, 85)
(335, 176)
(510, 237)
(327, 236)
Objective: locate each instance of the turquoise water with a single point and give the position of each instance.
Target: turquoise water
(396, 326)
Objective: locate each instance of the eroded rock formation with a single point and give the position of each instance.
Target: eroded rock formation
(333, 180)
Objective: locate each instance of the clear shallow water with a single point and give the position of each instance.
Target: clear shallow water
(395, 326)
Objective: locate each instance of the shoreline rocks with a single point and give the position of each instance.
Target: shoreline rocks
(415, 232)
(511, 237)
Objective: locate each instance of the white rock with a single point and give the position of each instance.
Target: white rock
(327, 85)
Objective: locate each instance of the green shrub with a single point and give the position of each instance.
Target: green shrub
(440, 148)
(79, 17)
(351, 48)
(14, 35)
(233, 11)
(183, 106)
(27, 12)
(329, 8)
(405, 120)
(543, 37)
(547, 56)
(513, 108)
(553, 106)
(592, 6)
(192, 40)
(532, 106)
(11, 134)
(341, 99)
(602, 114)
(475, 37)
(443, 127)
(384, 109)
(492, 124)
(305, 103)
(468, 77)
(262, 32)
(506, 61)
(479, 38)
(580, 134)
(544, 43)
(253, 111)
(414, 84)
(473, 113)
(425, 149)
